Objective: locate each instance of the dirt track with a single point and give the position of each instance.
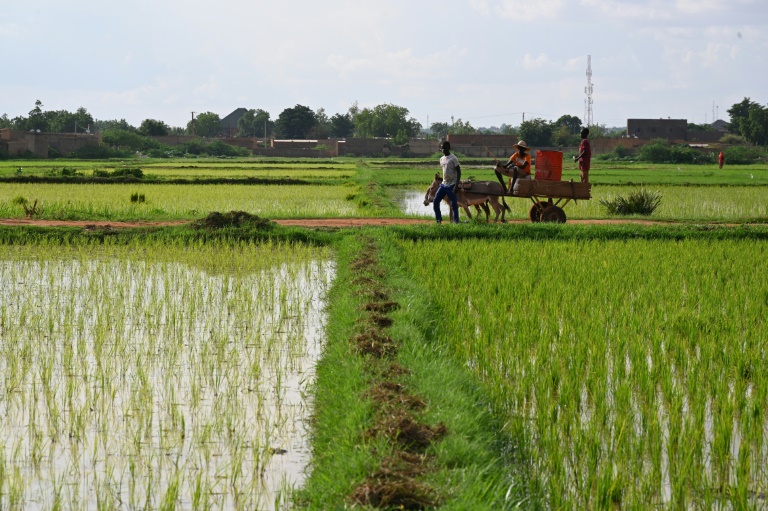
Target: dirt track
(300, 222)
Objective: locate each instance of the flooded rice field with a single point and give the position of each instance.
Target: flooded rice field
(142, 378)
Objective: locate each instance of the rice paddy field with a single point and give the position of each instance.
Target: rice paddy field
(609, 367)
(635, 370)
(342, 189)
(157, 377)
(173, 202)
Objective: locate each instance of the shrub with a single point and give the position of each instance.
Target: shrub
(129, 140)
(641, 202)
(618, 152)
(124, 172)
(64, 172)
(128, 171)
(138, 197)
(742, 155)
(661, 151)
(732, 139)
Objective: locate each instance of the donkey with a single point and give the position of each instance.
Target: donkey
(474, 193)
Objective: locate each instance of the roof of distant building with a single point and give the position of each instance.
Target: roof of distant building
(720, 125)
(230, 121)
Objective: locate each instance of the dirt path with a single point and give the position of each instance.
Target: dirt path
(304, 222)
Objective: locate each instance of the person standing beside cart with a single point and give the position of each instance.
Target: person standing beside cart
(450, 184)
(585, 155)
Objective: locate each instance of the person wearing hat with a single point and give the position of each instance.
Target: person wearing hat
(518, 167)
(450, 184)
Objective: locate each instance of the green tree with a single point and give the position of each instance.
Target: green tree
(112, 124)
(536, 132)
(207, 124)
(152, 128)
(755, 127)
(599, 130)
(739, 113)
(323, 126)
(37, 119)
(342, 125)
(63, 121)
(506, 129)
(5, 122)
(385, 120)
(572, 122)
(700, 127)
(562, 136)
(255, 123)
(295, 123)
(462, 128)
(439, 129)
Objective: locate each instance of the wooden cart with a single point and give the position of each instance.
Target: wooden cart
(550, 197)
(547, 192)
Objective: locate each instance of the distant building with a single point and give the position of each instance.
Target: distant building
(229, 123)
(670, 129)
(720, 125)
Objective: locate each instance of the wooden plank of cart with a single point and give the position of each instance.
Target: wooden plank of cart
(547, 191)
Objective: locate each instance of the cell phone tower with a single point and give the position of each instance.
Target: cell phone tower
(588, 91)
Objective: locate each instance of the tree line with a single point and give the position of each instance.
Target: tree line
(748, 120)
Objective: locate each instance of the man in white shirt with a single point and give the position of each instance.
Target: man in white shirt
(450, 185)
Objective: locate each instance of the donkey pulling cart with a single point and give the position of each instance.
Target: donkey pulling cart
(547, 192)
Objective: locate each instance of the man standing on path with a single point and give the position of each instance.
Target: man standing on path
(585, 155)
(450, 184)
(720, 159)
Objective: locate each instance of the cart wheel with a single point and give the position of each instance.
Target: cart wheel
(535, 212)
(553, 214)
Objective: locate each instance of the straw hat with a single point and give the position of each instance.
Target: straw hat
(521, 144)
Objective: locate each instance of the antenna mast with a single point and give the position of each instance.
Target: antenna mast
(588, 120)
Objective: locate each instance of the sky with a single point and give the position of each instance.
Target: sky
(486, 62)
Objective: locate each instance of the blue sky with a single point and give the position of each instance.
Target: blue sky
(482, 61)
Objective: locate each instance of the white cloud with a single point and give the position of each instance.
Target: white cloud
(481, 6)
(537, 62)
(527, 10)
(10, 30)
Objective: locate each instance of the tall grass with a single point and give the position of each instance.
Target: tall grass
(635, 368)
(154, 376)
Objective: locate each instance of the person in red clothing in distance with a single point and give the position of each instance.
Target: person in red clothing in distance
(585, 155)
(720, 159)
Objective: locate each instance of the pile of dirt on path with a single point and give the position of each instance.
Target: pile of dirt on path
(398, 483)
(216, 220)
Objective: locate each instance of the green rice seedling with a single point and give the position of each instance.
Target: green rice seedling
(623, 361)
(138, 197)
(133, 369)
(642, 202)
(107, 201)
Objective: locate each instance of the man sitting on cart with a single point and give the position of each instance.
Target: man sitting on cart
(518, 167)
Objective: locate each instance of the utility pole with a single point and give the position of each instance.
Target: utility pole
(193, 123)
(588, 91)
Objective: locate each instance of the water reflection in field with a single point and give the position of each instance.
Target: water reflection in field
(412, 203)
(143, 384)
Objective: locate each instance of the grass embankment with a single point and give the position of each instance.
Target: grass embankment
(214, 228)
(398, 421)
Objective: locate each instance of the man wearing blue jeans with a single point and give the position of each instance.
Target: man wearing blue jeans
(450, 185)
